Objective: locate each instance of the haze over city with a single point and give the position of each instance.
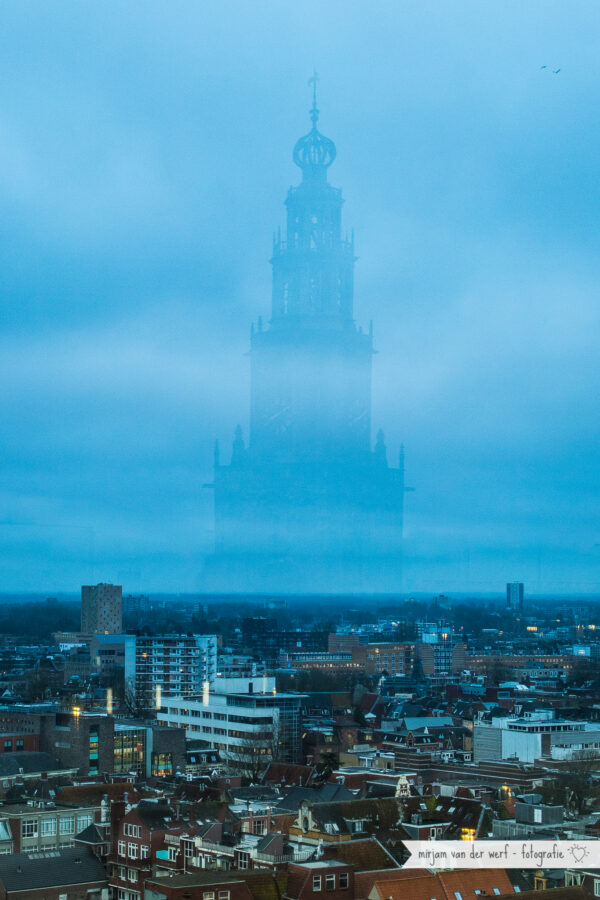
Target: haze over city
(146, 155)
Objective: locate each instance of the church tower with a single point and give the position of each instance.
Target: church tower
(309, 505)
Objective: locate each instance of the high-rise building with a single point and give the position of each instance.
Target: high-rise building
(101, 608)
(137, 605)
(309, 504)
(158, 664)
(515, 594)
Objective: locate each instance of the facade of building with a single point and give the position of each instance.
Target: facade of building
(97, 743)
(443, 657)
(158, 664)
(532, 738)
(377, 658)
(243, 718)
(309, 504)
(136, 605)
(515, 595)
(101, 608)
(43, 827)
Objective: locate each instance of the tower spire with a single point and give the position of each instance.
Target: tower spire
(314, 113)
(314, 152)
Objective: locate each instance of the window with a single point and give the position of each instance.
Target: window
(208, 895)
(19, 744)
(132, 850)
(172, 851)
(123, 872)
(83, 822)
(330, 882)
(121, 848)
(458, 895)
(144, 852)
(132, 874)
(66, 825)
(48, 827)
(7, 746)
(224, 895)
(316, 882)
(597, 887)
(344, 880)
(93, 752)
(242, 861)
(29, 828)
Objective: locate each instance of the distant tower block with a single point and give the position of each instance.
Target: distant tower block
(515, 594)
(102, 609)
(306, 502)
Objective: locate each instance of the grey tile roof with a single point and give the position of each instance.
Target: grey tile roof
(29, 762)
(91, 835)
(34, 871)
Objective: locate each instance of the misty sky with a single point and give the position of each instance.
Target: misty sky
(145, 154)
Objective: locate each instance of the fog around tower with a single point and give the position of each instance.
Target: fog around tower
(145, 157)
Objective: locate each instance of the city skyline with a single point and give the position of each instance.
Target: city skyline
(138, 212)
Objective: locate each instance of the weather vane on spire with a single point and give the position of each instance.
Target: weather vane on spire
(314, 113)
(314, 152)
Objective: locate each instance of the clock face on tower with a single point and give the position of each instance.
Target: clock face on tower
(277, 421)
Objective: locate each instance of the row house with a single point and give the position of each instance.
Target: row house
(138, 837)
(445, 818)
(342, 821)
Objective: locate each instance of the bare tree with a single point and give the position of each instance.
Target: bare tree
(572, 781)
(249, 758)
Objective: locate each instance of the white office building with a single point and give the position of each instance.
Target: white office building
(242, 718)
(537, 736)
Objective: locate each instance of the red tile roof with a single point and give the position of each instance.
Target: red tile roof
(420, 884)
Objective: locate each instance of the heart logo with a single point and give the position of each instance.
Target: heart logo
(578, 853)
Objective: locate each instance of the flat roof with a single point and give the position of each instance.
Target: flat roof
(322, 864)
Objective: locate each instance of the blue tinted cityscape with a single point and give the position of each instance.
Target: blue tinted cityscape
(300, 541)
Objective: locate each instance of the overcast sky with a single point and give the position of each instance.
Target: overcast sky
(145, 153)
